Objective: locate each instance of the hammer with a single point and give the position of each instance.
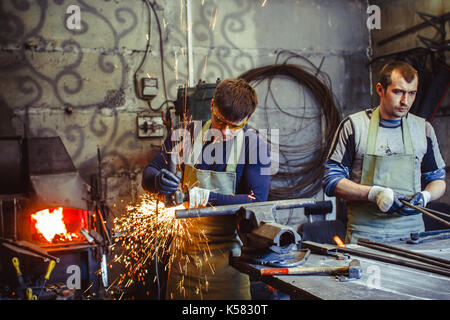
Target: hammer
(353, 270)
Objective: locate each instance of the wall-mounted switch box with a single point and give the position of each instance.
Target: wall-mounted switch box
(150, 126)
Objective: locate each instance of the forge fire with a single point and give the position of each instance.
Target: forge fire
(56, 225)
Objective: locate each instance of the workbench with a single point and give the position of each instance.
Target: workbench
(379, 280)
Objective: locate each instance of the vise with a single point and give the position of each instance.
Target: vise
(265, 241)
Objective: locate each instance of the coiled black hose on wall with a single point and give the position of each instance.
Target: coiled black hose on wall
(302, 171)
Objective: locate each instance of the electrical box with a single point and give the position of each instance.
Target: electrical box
(195, 102)
(150, 126)
(149, 87)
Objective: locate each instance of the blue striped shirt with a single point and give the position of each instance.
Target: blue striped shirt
(335, 171)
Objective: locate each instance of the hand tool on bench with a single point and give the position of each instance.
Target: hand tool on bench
(353, 270)
(50, 267)
(15, 262)
(29, 294)
(325, 249)
(419, 237)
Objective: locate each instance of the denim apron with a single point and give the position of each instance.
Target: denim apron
(201, 270)
(365, 220)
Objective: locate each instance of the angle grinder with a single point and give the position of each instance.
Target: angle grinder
(174, 199)
(178, 197)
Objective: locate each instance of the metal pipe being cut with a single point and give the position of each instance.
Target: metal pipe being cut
(310, 203)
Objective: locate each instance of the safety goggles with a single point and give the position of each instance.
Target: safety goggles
(225, 123)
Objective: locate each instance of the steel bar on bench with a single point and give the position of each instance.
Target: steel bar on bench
(443, 263)
(405, 263)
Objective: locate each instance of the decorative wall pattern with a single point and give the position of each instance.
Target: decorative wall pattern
(79, 84)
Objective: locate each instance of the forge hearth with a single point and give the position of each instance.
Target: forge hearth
(47, 211)
(58, 225)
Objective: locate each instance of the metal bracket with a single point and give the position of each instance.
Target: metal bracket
(429, 19)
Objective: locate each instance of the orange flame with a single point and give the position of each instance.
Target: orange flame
(51, 223)
(339, 242)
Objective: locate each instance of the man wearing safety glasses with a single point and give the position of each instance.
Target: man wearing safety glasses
(220, 169)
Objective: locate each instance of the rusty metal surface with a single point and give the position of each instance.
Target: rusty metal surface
(65, 189)
(48, 155)
(12, 166)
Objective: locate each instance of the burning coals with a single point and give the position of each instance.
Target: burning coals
(57, 225)
(150, 231)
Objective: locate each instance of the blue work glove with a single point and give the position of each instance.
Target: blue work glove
(397, 204)
(420, 199)
(386, 199)
(166, 182)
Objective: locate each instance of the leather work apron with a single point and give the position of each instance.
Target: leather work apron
(201, 270)
(365, 220)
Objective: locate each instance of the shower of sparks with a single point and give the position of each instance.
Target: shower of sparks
(205, 63)
(181, 13)
(150, 231)
(176, 66)
(212, 21)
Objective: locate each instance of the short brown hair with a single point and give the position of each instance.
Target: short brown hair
(235, 98)
(405, 69)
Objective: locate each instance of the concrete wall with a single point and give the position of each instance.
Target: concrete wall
(397, 16)
(79, 84)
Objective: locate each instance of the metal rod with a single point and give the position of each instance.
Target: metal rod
(1, 218)
(232, 209)
(27, 248)
(15, 220)
(405, 263)
(415, 28)
(422, 210)
(102, 222)
(189, 43)
(437, 212)
(443, 263)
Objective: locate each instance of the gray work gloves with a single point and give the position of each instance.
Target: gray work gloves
(386, 199)
(166, 182)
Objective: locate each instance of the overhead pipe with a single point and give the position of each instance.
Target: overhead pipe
(189, 42)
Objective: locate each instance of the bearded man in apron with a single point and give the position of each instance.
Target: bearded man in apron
(220, 169)
(383, 155)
